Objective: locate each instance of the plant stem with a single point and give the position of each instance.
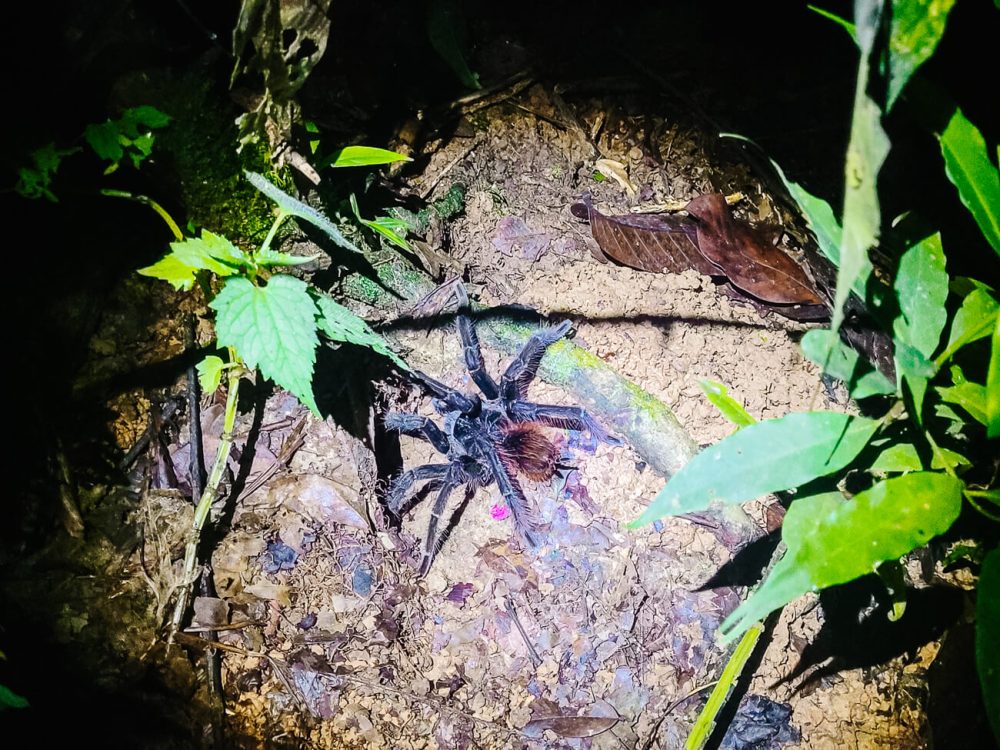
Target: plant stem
(282, 215)
(208, 496)
(145, 200)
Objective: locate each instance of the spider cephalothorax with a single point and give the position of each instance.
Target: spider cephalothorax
(488, 438)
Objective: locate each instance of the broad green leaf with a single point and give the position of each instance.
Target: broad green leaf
(993, 387)
(776, 454)
(268, 258)
(903, 457)
(988, 636)
(731, 409)
(974, 320)
(103, 138)
(10, 699)
(866, 152)
(210, 373)
(340, 324)
(300, 210)
(144, 116)
(970, 396)
(824, 348)
(172, 270)
(363, 156)
(831, 540)
(273, 328)
(446, 31)
(916, 28)
(968, 166)
(211, 252)
(921, 287)
(913, 371)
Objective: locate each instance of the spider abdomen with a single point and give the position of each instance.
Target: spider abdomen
(524, 447)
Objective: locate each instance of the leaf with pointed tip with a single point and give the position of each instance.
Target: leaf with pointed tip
(831, 540)
(903, 457)
(269, 258)
(363, 156)
(970, 396)
(968, 166)
(300, 210)
(824, 348)
(776, 454)
(209, 252)
(916, 27)
(731, 409)
(273, 328)
(974, 320)
(340, 324)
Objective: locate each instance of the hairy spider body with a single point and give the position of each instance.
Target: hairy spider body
(490, 438)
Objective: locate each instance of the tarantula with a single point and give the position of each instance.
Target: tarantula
(488, 438)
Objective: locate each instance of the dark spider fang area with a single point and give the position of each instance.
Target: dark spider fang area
(488, 438)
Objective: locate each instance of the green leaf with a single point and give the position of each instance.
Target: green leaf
(340, 324)
(970, 396)
(103, 139)
(731, 409)
(866, 152)
(269, 258)
(913, 371)
(272, 328)
(210, 373)
(824, 348)
(300, 210)
(209, 252)
(447, 33)
(363, 156)
(831, 540)
(903, 457)
(993, 387)
(893, 577)
(172, 270)
(921, 287)
(10, 699)
(34, 182)
(144, 116)
(916, 28)
(974, 320)
(968, 166)
(988, 636)
(842, 22)
(386, 226)
(776, 454)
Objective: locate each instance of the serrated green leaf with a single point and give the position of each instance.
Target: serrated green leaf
(776, 454)
(340, 324)
(272, 328)
(988, 636)
(363, 156)
(10, 699)
(172, 270)
(974, 320)
(447, 33)
(903, 457)
(921, 287)
(144, 116)
(993, 387)
(731, 409)
(831, 540)
(210, 252)
(297, 208)
(210, 373)
(970, 396)
(269, 258)
(824, 348)
(915, 30)
(969, 168)
(103, 139)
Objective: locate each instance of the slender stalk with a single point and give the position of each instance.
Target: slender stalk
(282, 215)
(208, 496)
(146, 201)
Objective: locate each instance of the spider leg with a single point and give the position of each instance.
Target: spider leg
(451, 398)
(525, 520)
(432, 543)
(520, 372)
(471, 350)
(418, 426)
(399, 490)
(566, 417)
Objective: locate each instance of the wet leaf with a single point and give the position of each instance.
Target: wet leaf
(570, 726)
(649, 242)
(745, 256)
(831, 540)
(776, 454)
(968, 166)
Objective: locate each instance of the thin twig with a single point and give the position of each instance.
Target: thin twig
(536, 660)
